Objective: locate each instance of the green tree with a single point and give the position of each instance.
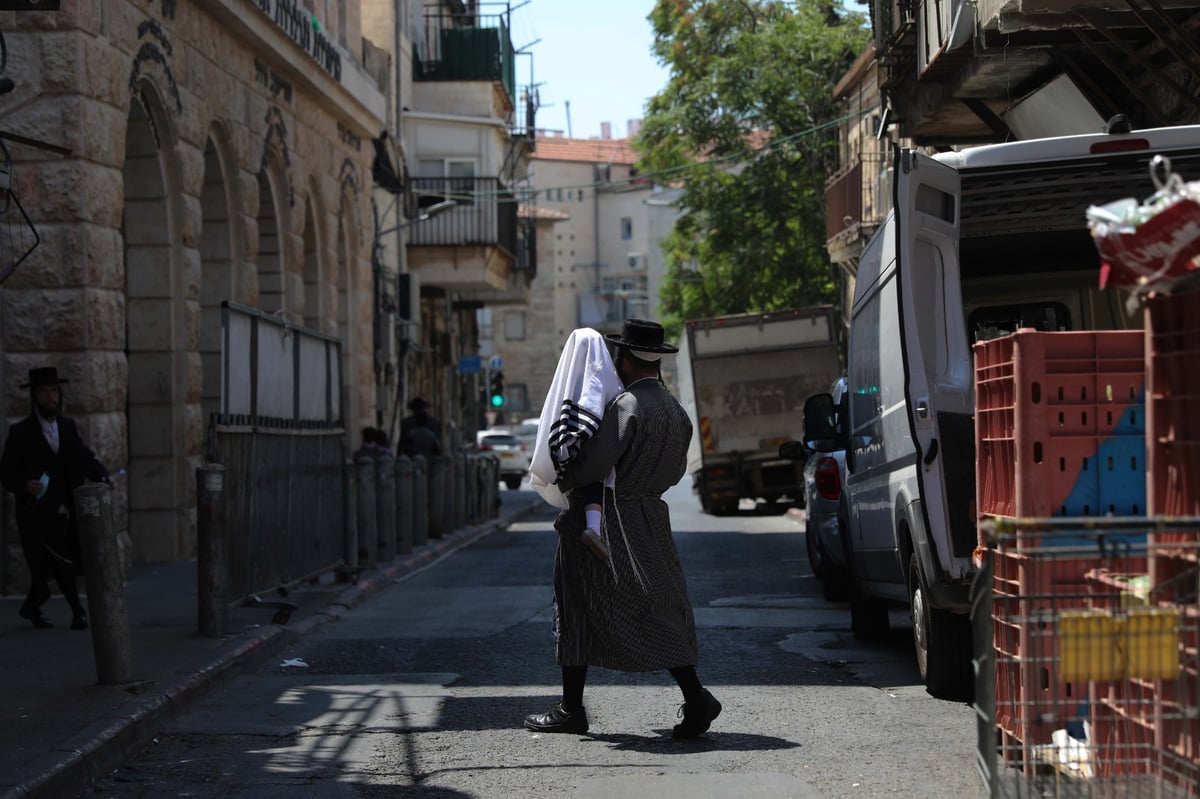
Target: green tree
(745, 128)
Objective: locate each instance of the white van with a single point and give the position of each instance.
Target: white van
(981, 242)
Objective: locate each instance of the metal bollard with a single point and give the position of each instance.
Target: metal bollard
(385, 509)
(460, 490)
(494, 487)
(404, 505)
(472, 497)
(350, 519)
(105, 590)
(212, 552)
(420, 508)
(439, 482)
(368, 535)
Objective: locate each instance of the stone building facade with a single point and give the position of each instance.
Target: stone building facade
(217, 151)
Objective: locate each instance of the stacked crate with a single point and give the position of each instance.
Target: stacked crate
(1165, 713)
(1059, 433)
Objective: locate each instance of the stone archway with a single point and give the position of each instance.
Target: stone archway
(347, 311)
(218, 255)
(154, 322)
(314, 292)
(272, 276)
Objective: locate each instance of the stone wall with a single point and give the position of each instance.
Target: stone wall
(204, 166)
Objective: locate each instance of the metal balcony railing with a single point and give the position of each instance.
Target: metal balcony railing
(858, 194)
(485, 214)
(524, 118)
(468, 47)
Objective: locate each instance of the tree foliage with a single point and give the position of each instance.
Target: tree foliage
(744, 128)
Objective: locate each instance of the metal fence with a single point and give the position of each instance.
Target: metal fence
(280, 439)
(278, 501)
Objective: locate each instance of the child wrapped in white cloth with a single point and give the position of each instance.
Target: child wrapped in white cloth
(584, 383)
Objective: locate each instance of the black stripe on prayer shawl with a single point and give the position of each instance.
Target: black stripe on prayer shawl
(575, 425)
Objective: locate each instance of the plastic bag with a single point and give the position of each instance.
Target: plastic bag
(1151, 245)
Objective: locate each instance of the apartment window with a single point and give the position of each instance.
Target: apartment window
(462, 181)
(514, 325)
(559, 195)
(459, 181)
(626, 228)
(581, 195)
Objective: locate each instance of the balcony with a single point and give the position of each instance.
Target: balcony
(957, 71)
(468, 47)
(473, 247)
(857, 199)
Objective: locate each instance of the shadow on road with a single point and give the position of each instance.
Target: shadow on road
(712, 742)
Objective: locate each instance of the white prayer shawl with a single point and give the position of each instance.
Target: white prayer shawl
(584, 383)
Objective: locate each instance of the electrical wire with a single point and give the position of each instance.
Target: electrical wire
(505, 195)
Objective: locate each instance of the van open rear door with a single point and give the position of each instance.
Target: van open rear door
(939, 381)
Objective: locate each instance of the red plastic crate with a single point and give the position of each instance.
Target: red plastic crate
(1173, 404)
(1059, 424)
(1030, 591)
(1146, 726)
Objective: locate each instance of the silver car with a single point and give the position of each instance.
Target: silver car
(824, 476)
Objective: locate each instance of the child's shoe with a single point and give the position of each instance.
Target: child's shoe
(595, 544)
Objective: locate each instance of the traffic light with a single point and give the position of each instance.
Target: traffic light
(497, 392)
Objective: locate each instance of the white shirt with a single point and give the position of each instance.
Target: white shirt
(50, 431)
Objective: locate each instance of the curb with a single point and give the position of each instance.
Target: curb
(101, 748)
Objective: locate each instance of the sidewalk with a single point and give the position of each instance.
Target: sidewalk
(62, 730)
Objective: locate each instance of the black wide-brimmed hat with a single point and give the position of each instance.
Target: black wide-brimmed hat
(641, 335)
(44, 376)
(416, 405)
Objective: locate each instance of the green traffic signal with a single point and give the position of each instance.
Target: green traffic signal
(497, 392)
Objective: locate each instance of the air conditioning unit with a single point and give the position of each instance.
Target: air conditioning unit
(637, 261)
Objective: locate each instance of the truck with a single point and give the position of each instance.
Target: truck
(743, 380)
(980, 243)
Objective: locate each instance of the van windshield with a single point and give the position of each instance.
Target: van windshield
(995, 321)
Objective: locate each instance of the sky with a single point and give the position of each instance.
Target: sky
(594, 55)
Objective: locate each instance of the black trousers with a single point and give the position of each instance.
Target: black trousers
(42, 566)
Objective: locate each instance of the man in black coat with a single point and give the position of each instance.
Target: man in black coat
(44, 461)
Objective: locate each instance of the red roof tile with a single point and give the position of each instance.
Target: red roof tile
(590, 151)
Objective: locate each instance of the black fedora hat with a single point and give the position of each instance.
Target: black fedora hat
(641, 335)
(44, 376)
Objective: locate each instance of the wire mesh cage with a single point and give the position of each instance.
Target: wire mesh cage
(1088, 672)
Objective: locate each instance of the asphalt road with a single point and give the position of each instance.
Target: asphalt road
(421, 693)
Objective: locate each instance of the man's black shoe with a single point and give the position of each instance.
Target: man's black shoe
(36, 618)
(79, 621)
(558, 719)
(697, 716)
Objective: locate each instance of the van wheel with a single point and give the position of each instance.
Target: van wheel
(942, 640)
(513, 483)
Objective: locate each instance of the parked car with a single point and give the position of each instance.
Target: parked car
(526, 433)
(514, 463)
(824, 475)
